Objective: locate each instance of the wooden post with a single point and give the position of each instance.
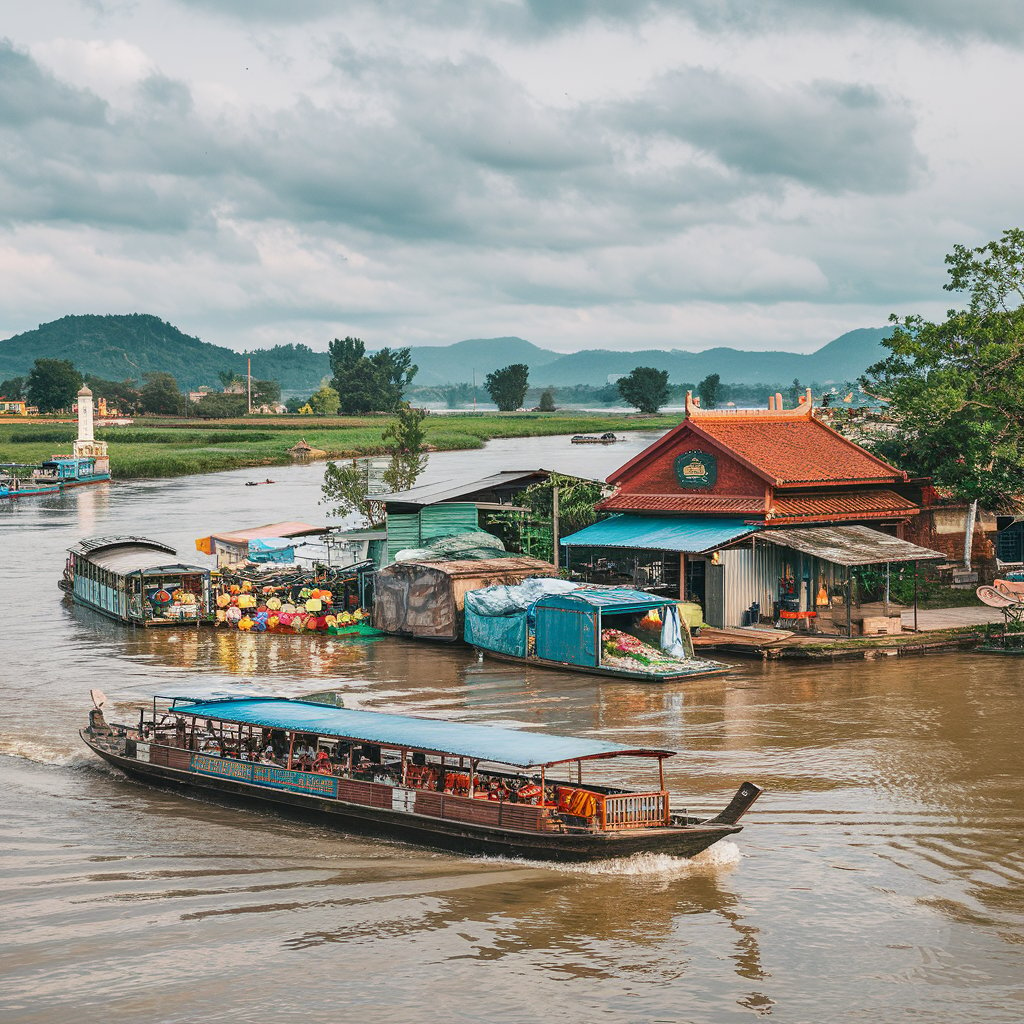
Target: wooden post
(472, 777)
(291, 748)
(661, 774)
(849, 602)
(916, 564)
(543, 788)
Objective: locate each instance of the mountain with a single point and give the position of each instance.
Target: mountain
(120, 347)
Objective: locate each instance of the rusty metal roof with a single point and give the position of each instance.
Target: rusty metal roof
(849, 545)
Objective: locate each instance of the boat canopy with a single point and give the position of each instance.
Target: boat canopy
(612, 599)
(455, 739)
(660, 533)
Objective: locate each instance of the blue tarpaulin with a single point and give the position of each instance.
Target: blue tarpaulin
(660, 533)
(458, 739)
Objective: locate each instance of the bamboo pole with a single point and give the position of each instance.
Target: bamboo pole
(291, 748)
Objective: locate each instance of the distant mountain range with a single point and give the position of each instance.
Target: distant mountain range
(120, 347)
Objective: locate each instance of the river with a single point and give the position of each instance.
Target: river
(878, 879)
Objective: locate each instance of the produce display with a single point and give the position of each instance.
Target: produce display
(248, 607)
(623, 650)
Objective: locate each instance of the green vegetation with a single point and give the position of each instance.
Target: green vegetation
(645, 388)
(183, 448)
(369, 383)
(507, 386)
(53, 384)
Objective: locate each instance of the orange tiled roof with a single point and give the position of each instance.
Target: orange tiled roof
(713, 503)
(855, 505)
(795, 451)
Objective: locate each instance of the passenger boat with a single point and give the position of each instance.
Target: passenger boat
(132, 580)
(606, 438)
(596, 630)
(70, 471)
(460, 786)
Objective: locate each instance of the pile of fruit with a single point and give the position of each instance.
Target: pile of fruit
(264, 610)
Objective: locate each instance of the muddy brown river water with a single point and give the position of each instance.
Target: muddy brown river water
(878, 879)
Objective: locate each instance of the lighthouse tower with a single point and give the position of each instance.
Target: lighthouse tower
(87, 447)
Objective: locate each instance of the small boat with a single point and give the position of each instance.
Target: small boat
(258, 483)
(471, 788)
(595, 630)
(133, 581)
(25, 486)
(606, 438)
(70, 471)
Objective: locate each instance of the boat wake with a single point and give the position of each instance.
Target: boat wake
(29, 750)
(723, 856)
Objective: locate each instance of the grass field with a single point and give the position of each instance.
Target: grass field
(162, 448)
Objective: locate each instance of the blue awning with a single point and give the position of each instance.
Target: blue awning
(661, 533)
(612, 597)
(457, 739)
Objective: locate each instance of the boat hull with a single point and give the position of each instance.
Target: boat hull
(614, 673)
(424, 830)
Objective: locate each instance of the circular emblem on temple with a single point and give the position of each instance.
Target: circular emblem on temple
(696, 469)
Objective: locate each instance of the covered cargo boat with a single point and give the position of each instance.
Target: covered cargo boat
(459, 785)
(611, 631)
(132, 580)
(426, 599)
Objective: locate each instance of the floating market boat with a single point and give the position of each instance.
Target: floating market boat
(70, 471)
(608, 631)
(467, 787)
(132, 580)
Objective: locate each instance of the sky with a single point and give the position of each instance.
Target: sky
(581, 173)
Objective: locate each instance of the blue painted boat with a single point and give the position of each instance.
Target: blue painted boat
(25, 486)
(70, 471)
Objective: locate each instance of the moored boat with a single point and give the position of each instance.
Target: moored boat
(132, 580)
(70, 471)
(607, 631)
(24, 485)
(455, 785)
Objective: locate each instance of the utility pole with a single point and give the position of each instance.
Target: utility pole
(554, 522)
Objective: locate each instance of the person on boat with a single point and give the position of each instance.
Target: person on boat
(322, 763)
(267, 757)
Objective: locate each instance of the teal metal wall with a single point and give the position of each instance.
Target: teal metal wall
(417, 530)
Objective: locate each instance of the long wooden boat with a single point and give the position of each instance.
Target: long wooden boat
(454, 785)
(70, 471)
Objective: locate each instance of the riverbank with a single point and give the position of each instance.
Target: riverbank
(152, 448)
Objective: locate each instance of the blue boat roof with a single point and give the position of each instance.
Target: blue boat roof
(457, 739)
(611, 596)
(661, 533)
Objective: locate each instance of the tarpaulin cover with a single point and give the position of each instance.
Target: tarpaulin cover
(508, 599)
(458, 739)
(505, 634)
(272, 550)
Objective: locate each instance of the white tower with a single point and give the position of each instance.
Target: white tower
(87, 447)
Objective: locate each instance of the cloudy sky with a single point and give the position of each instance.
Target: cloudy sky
(581, 173)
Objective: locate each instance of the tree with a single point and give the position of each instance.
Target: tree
(218, 406)
(346, 490)
(161, 394)
(646, 388)
(265, 393)
(14, 387)
(53, 384)
(708, 390)
(229, 377)
(407, 444)
(795, 391)
(369, 383)
(325, 401)
(956, 388)
(547, 400)
(507, 386)
(122, 395)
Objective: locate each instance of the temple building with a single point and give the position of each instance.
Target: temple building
(756, 515)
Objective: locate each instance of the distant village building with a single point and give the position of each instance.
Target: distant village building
(13, 407)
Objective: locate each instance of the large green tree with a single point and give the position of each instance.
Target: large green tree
(956, 386)
(53, 384)
(646, 388)
(161, 394)
(369, 383)
(507, 386)
(709, 389)
(13, 387)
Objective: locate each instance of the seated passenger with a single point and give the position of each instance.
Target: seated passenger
(267, 757)
(322, 763)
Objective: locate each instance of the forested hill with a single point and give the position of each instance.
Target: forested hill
(121, 347)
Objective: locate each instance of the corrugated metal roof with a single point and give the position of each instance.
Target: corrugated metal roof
(458, 739)
(448, 490)
(850, 545)
(844, 506)
(660, 533)
(91, 544)
(290, 529)
(483, 568)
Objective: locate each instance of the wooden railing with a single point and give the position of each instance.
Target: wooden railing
(634, 810)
